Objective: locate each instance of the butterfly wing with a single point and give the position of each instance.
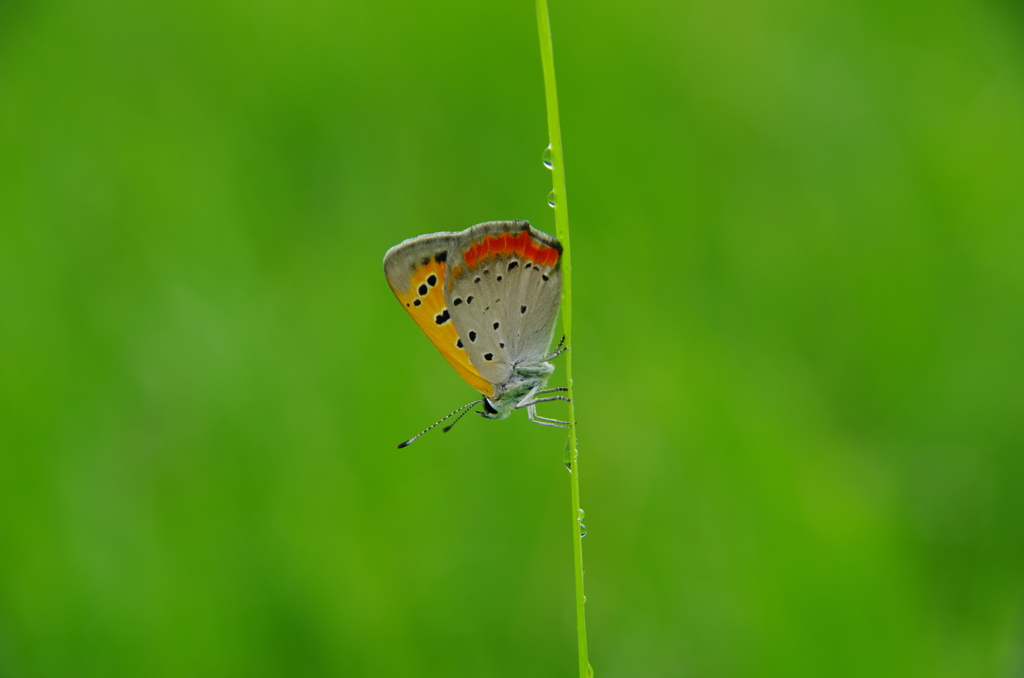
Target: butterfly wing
(504, 292)
(417, 271)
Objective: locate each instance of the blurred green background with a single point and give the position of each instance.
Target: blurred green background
(798, 239)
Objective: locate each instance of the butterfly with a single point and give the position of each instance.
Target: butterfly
(488, 298)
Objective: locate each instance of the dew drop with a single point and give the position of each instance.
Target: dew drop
(567, 456)
(546, 157)
(583, 530)
(551, 199)
(582, 514)
(590, 670)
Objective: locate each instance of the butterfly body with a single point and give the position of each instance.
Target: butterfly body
(488, 298)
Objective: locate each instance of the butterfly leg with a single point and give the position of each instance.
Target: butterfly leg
(552, 390)
(549, 399)
(559, 350)
(554, 422)
(531, 397)
(531, 410)
(530, 401)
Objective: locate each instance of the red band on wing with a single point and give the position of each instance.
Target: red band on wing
(505, 244)
(520, 242)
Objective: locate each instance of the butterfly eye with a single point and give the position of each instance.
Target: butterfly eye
(488, 407)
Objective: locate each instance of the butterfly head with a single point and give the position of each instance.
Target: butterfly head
(508, 397)
(490, 411)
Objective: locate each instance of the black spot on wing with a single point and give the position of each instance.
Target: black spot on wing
(469, 300)
(472, 335)
(442, 317)
(512, 265)
(458, 300)
(441, 257)
(431, 279)
(499, 278)
(423, 289)
(522, 309)
(416, 302)
(458, 343)
(495, 325)
(488, 356)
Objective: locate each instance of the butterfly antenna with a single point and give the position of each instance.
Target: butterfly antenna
(410, 441)
(464, 413)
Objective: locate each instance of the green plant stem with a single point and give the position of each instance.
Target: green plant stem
(562, 231)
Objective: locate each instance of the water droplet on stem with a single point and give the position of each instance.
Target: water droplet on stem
(546, 157)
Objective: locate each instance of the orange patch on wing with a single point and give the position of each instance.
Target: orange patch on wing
(456, 272)
(443, 335)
